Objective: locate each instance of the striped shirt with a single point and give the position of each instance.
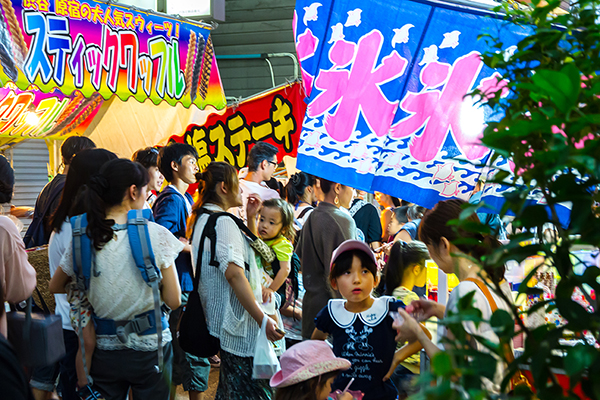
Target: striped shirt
(226, 318)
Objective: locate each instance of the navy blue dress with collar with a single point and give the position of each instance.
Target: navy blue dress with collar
(366, 340)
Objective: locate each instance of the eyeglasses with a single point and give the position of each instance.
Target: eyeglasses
(272, 162)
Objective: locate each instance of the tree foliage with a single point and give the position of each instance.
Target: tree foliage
(550, 130)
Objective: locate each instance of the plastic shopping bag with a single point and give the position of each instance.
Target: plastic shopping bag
(265, 360)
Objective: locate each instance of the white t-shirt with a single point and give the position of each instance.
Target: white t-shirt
(56, 248)
(484, 329)
(248, 187)
(119, 292)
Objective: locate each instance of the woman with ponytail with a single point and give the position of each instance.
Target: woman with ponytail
(462, 259)
(231, 290)
(82, 166)
(323, 232)
(117, 290)
(405, 266)
(301, 193)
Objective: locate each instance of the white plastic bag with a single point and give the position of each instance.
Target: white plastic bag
(265, 360)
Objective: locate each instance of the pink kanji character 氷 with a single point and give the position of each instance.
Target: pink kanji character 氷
(442, 111)
(357, 90)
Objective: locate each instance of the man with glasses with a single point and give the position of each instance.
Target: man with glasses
(262, 161)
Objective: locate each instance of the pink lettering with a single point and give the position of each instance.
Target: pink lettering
(438, 112)
(357, 90)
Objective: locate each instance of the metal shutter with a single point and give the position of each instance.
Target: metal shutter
(30, 162)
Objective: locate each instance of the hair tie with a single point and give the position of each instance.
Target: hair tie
(296, 179)
(200, 176)
(99, 183)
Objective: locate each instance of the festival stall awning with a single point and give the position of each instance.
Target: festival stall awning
(274, 117)
(386, 84)
(90, 51)
(34, 114)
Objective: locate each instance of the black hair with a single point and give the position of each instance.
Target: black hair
(415, 212)
(7, 180)
(73, 145)
(274, 184)
(173, 152)
(400, 213)
(305, 390)
(260, 152)
(108, 189)
(85, 164)
(402, 256)
(296, 186)
(344, 263)
(148, 157)
(434, 226)
(214, 173)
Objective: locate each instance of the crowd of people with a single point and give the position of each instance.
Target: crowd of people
(325, 272)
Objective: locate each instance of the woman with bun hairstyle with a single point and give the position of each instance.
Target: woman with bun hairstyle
(117, 290)
(230, 292)
(325, 229)
(148, 157)
(463, 260)
(300, 192)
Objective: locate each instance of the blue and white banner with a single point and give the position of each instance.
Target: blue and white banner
(386, 85)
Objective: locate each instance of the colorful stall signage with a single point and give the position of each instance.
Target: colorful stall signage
(110, 49)
(33, 114)
(274, 117)
(386, 85)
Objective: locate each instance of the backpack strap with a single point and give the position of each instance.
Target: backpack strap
(210, 232)
(305, 211)
(139, 241)
(82, 265)
(141, 248)
(82, 254)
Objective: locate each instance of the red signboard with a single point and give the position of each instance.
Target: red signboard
(275, 117)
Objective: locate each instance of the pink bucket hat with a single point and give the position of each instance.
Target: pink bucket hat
(352, 244)
(306, 360)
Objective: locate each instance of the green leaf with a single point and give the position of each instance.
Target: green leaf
(557, 85)
(579, 358)
(533, 216)
(503, 323)
(442, 364)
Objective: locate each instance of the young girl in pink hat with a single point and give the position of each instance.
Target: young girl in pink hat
(307, 372)
(360, 325)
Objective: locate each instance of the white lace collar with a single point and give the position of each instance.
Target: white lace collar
(371, 317)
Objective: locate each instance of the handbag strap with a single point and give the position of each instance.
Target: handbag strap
(44, 305)
(510, 357)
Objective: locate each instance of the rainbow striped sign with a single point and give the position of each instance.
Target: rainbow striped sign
(110, 49)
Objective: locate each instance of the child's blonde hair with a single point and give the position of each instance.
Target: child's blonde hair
(402, 256)
(287, 216)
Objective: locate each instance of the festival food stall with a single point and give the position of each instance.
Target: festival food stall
(126, 77)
